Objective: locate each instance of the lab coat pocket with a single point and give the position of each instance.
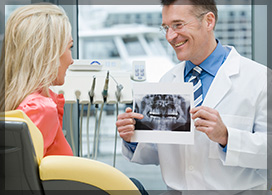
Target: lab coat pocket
(231, 121)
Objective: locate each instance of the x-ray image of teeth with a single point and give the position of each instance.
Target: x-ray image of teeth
(163, 112)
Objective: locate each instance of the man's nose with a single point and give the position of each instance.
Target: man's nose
(171, 34)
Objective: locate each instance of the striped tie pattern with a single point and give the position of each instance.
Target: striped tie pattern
(198, 99)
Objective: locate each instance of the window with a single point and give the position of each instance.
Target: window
(5, 13)
(98, 48)
(133, 46)
(234, 27)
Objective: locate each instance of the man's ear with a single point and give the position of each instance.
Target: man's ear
(210, 21)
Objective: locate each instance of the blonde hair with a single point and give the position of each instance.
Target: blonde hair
(35, 38)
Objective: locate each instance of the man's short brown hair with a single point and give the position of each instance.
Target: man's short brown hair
(201, 6)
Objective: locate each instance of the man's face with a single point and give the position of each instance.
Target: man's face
(191, 41)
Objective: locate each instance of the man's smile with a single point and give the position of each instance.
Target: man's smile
(181, 43)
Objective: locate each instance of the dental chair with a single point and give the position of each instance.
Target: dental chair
(26, 170)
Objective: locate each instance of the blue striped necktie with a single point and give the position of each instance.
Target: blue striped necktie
(198, 99)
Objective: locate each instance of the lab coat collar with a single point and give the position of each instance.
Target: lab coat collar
(212, 63)
(232, 67)
(222, 82)
(178, 72)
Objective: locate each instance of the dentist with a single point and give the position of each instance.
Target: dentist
(230, 150)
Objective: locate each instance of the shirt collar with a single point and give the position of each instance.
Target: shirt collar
(212, 63)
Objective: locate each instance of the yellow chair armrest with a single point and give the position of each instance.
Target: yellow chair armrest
(86, 171)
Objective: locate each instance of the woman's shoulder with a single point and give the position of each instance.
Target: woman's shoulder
(36, 102)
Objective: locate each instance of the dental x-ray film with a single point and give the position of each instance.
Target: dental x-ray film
(166, 109)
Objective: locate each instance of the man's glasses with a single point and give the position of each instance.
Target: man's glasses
(178, 25)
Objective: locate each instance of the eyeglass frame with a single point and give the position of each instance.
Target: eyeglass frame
(164, 29)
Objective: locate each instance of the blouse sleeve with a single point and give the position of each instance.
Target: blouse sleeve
(44, 114)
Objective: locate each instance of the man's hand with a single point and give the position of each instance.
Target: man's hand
(209, 122)
(125, 124)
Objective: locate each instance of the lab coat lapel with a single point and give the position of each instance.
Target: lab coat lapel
(178, 73)
(222, 81)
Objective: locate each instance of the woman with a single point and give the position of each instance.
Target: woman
(38, 46)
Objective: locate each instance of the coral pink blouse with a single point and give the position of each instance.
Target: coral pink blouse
(47, 113)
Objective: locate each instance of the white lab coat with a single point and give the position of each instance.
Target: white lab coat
(239, 93)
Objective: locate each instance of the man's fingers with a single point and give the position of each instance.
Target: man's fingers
(125, 132)
(126, 128)
(208, 109)
(202, 129)
(126, 135)
(130, 115)
(204, 114)
(203, 123)
(128, 109)
(124, 122)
